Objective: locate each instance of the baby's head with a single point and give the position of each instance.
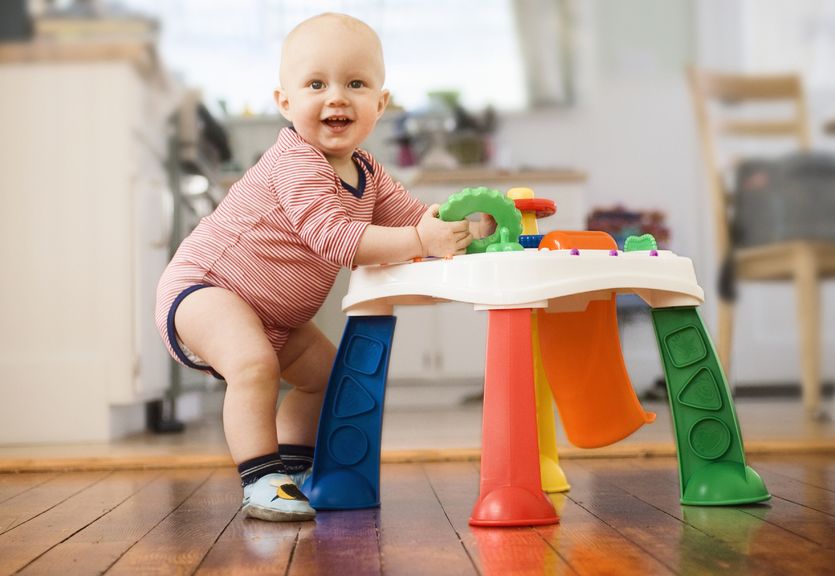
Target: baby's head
(332, 78)
(335, 36)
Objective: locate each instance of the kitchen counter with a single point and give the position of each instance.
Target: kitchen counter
(475, 176)
(142, 55)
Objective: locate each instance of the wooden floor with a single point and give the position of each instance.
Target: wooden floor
(622, 516)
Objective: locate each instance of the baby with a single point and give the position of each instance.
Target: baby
(238, 296)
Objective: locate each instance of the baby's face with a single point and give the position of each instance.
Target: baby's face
(332, 85)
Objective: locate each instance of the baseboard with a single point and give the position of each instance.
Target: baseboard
(168, 461)
(746, 390)
(777, 390)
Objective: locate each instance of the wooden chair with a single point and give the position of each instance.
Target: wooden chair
(718, 99)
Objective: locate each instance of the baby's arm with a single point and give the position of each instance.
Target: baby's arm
(431, 237)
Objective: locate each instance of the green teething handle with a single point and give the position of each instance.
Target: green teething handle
(481, 199)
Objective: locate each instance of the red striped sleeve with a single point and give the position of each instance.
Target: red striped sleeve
(306, 187)
(394, 206)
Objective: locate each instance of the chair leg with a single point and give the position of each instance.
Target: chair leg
(725, 336)
(807, 294)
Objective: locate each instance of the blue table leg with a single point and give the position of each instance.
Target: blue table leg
(346, 466)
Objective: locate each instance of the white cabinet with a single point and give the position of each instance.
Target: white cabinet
(83, 241)
(448, 341)
(441, 341)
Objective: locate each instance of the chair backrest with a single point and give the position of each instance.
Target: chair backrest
(743, 110)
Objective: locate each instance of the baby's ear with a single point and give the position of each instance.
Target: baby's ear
(283, 103)
(385, 95)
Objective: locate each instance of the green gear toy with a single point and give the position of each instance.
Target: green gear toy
(500, 207)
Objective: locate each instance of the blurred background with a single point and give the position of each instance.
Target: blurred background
(123, 123)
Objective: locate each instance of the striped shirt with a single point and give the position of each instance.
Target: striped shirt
(280, 236)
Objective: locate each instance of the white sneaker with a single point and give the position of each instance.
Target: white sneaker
(276, 498)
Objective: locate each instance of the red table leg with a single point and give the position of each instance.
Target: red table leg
(511, 490)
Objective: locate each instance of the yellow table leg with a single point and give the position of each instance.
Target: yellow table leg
(553, 478)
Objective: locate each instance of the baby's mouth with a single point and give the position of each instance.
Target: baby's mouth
(337, 122)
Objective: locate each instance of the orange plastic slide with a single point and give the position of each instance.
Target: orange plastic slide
(582, 358)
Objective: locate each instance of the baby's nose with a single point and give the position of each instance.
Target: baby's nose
(336, 95)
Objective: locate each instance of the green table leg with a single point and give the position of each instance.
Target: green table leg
(712, 469)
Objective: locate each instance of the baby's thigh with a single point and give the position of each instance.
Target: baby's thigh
(278, 337)
(307, 358)
(221, 328)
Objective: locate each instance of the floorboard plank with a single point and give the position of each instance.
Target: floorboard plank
(95, 548)
(336, 540)
(250, 546)
(495, 551)
(40, 497)
(812, 469)
(179, 543)
(799, 504)
(824, 467)
(415, 535)
(783, 484)
(592, 547)
(800, 520)
(681, 547)
(100, 494)
(15, 483)
(762, 541)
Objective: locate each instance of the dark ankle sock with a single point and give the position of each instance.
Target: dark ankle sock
(296, 458)
(253, 469)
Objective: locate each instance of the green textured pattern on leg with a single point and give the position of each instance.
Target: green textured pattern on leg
(710, 452)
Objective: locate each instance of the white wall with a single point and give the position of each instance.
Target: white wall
(776, 36)
(634, 132)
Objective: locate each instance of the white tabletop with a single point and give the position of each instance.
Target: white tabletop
(559, 280)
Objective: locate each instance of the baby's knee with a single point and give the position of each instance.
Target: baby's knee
(254, 366)
(315, 384)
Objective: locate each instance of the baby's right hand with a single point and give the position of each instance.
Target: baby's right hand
(439, 238)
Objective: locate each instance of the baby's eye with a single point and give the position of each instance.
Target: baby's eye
(317, 84)
(356, 84)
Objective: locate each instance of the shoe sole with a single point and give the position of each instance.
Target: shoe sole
(273, 515)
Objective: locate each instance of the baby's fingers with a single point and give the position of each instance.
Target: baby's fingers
(460, 225)
(487, 225)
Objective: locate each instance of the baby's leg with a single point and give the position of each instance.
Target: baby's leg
(222, 329)
(307, 359)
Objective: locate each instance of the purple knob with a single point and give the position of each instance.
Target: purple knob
(575, 252)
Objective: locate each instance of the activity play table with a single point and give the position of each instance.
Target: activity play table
(569, 295)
